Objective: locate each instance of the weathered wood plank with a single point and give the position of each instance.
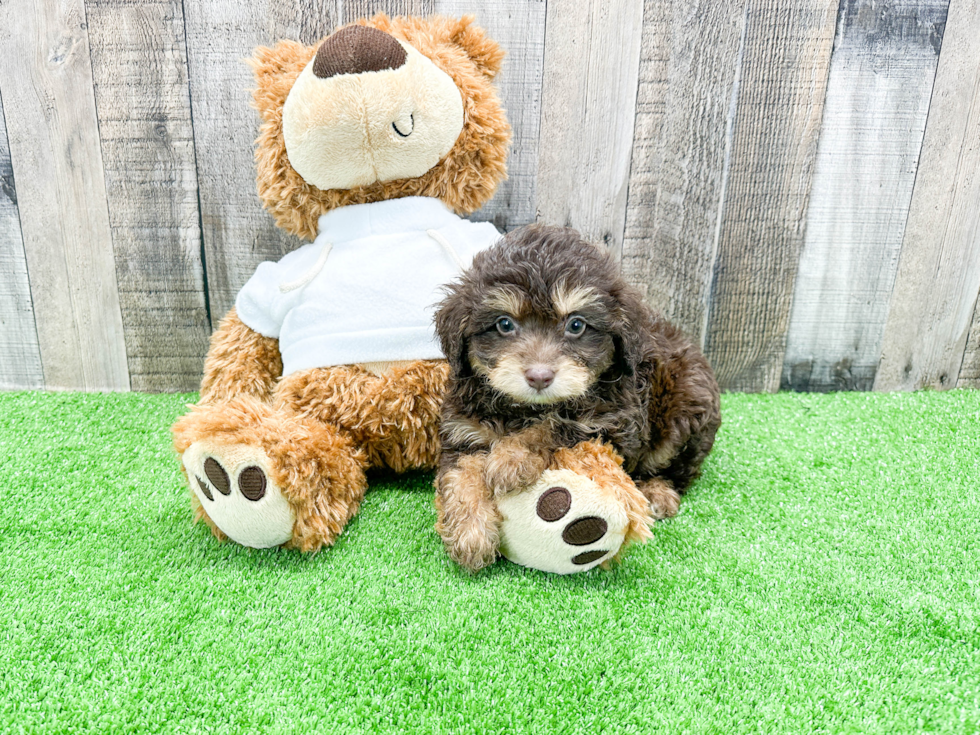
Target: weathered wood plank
(938, 280)
(518, 26)
(690, 56)
(221, 34)
(20, 356)
(878, 95)
(354, 9)
(46, 83)
(970, 370)
(777, 120)
(143, 101)
(588, 105)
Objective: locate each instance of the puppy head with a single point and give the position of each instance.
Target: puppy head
(541, 316)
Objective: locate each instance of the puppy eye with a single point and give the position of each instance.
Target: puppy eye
(575, 326)
(505, 325)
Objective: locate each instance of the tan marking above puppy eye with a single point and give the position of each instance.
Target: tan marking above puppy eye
(508, 300)
(568, 300)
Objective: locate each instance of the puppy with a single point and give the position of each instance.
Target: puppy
(548, 346)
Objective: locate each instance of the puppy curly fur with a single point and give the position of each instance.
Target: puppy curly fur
(464, 179)
(650, 394)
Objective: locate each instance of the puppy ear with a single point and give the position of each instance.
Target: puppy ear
(451, 320)
(628, 340)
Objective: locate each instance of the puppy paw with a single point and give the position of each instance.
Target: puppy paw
(512, 467)
(563, 524)
(664, 500)
(473, 548)
(233, 487)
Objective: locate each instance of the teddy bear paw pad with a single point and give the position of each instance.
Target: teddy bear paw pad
(564, 523)
(234, 488)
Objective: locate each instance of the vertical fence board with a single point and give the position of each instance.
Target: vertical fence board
(588, 105)
(143, 101)
(881, 80)
(221, 34)
(970, 370)
(935, 292)
(780, 102)
(518, 26)
(20, 356)
(46, 83)
(354, 9)
(689, 60)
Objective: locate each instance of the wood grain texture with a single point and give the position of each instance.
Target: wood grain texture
(938, 280)
(970, 369)
(780, 100)
(238, 234)
(141, 93)
(46, 84)
(20, 356)
(519, 27)
(588, 105)
(354, 9)
(689, 62)
(878, 95)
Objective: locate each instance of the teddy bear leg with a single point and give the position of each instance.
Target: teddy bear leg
(263, 477)
(581, 512)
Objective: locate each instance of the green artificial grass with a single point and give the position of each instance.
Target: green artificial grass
(822, 576)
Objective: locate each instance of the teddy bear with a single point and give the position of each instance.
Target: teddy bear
(374, 144)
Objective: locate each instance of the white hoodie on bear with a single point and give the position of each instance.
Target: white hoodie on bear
(365, 290)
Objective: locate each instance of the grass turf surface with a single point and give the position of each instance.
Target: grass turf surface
(822, 576)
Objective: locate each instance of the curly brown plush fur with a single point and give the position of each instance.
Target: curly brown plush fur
(548, 348)
(315, 432)
(321, 429)
(465, 179)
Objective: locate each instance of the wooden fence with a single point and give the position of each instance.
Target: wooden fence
(795, 182)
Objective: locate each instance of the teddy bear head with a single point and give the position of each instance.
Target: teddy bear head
(382, 109)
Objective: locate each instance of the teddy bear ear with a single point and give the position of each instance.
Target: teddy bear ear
(483, 50)
(276, 70)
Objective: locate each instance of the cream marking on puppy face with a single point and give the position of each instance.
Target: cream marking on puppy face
(569, 300)
(478, 367)
(508, 300)
(571, 380)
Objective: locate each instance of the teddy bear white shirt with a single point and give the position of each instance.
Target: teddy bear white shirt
(365, 290)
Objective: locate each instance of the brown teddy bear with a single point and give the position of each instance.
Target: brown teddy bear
(372, 143)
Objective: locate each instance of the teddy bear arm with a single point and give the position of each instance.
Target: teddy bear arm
(601, 463)
(240, 362)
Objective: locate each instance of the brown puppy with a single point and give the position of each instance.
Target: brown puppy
(548, 347)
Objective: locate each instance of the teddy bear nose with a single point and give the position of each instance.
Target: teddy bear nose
(539, 377)
(357, 49)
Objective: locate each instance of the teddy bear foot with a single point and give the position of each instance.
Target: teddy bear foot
(564, 523)
(233, 486)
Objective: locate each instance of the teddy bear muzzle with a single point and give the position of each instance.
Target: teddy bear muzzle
(369, 108)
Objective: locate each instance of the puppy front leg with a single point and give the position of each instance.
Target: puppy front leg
(468, 519)
(517, 461)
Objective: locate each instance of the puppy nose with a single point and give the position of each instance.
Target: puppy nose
(539, 377)
(356, 49)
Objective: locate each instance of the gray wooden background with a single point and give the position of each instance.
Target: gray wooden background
(795, 182)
